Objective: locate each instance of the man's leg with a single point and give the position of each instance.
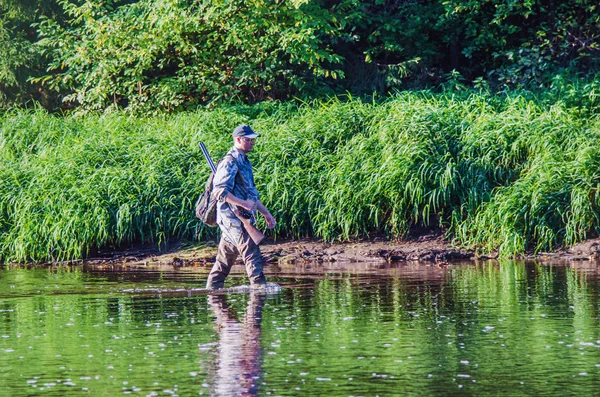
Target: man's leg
(253, 260)
(226, 256)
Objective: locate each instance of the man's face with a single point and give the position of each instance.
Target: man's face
(245, 144)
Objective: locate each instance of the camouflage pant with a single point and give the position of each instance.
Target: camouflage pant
(235, 241)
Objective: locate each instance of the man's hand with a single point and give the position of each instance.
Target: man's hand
(270, 220)
(265, 212)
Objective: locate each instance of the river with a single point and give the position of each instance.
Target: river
(509, 328)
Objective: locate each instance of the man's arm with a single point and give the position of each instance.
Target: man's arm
(234, 200)
(265, 212)
(251, 206)
(224, 179)
(223, 185)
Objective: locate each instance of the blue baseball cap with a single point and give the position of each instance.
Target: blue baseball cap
(245, 131)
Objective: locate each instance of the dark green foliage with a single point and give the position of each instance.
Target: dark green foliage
(388, 44)
(20, 59)
(524, 43)
(151, 55)
(17, 55)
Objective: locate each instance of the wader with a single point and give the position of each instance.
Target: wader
(235, 242)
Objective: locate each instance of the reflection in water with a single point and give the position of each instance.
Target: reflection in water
(239, 358)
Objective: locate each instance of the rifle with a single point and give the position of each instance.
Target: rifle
(247, 217)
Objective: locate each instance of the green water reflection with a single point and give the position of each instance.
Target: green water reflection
(486, 329)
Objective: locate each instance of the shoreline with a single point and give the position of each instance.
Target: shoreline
(428, 248)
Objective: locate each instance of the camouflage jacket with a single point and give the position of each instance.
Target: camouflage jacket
(224, 183)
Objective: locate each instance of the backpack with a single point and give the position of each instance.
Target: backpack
(206, 206)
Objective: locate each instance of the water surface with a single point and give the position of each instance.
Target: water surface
(372, 330)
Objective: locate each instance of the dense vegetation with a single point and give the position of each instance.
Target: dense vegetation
(499, 173)
(159, 55)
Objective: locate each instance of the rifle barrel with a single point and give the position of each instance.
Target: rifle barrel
(211, 164)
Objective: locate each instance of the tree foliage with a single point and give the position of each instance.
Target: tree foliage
(175, 54)
(164, 54)
(17, 55)
(519, 43)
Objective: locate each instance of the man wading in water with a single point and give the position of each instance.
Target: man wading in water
(231, 193)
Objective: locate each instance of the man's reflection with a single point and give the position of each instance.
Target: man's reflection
(239, 356)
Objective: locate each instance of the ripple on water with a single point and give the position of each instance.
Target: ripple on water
(269, 288)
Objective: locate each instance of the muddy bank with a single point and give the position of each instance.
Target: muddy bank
(429, 247)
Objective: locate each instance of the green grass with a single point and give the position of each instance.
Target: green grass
(508, 173)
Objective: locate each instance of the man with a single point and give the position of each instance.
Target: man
(231, 192)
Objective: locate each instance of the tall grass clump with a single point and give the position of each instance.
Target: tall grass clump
(554, 200)
(350, 169)
(71, 185)
(498, 173)
(509, 173)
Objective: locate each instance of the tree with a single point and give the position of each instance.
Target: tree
(164, 54)
(522, 43)
(19, 58)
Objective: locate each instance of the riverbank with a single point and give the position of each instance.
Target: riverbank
(426, 248)
(429, 247)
